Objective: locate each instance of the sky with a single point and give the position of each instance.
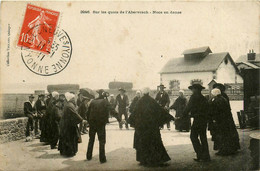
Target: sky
(130, 48)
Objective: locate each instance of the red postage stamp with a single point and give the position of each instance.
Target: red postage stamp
(38, 28)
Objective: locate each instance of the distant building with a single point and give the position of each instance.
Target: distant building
(38, 92)
(249, 66)
(249, 61)
(117, 85)
(63, 88)
(202, 66)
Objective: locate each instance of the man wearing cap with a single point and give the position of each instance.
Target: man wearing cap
(86, 97)
(112, 101)
(163, 100)
(198, 107)
(49, 96)
(40, 106)
(101, 94)
(97, 117)
(29, 111)
(37, 118)
(80, 98)
(122, 102)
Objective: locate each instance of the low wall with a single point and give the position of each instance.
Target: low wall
(12, 129)
(12, 105)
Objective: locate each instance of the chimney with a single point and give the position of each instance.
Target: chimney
(251, 55)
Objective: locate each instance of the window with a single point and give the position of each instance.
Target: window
(226, 61)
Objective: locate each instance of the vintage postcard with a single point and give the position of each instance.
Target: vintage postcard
(129, 85)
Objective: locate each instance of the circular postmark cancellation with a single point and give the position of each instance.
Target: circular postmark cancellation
(47, 64)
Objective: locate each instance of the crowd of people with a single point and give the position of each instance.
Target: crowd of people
(62, 120)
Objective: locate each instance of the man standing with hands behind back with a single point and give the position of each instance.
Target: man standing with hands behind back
(29, 111)
(97, 117)
(122, 102)
(164, 101)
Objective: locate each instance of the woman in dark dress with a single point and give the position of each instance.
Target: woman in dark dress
(226, 135)
(147, 118)
(181, 123)
(69, 132)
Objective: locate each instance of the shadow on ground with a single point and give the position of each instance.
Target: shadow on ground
(181, 159)
(50, 156)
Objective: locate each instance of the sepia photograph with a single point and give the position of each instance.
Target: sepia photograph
(129, 85)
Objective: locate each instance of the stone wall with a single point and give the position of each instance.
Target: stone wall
(12, 129)
(12, 105)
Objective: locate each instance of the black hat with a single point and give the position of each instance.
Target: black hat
(161, 85)
(220, 86)
(196, 86)
(31, 96)
(121, 89)
(100, 91)
(41, 95)
(86, 94)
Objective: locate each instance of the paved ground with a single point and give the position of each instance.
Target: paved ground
(20, 155)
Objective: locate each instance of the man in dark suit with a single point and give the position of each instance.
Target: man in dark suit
(29, 111)
(122, 102)
(198, 107)
(40, 107)
(164, 101)
(97, 117)
(86, 97)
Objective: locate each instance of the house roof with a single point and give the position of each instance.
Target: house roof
(209, 63)
(243, 58)
(250, 65)
(197, 50)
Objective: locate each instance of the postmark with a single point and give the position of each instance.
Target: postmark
(53, 63)
(39, 25)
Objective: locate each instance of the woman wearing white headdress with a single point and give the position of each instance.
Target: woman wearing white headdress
(181, 123)
(147, 118)
(69, 132)
(224, 133)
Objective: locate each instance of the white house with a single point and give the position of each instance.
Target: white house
(200, 65)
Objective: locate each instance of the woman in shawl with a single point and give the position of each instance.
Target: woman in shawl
(181, 123)
(147, 118)
(226, 137)
(69, 132)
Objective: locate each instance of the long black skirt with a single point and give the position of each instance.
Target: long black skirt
(149, 147)
(229, 138)
(68, 142)
(45, 126)
(183, 124)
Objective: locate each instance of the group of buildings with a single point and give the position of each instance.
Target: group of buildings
(198, 65)
(202, 66)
